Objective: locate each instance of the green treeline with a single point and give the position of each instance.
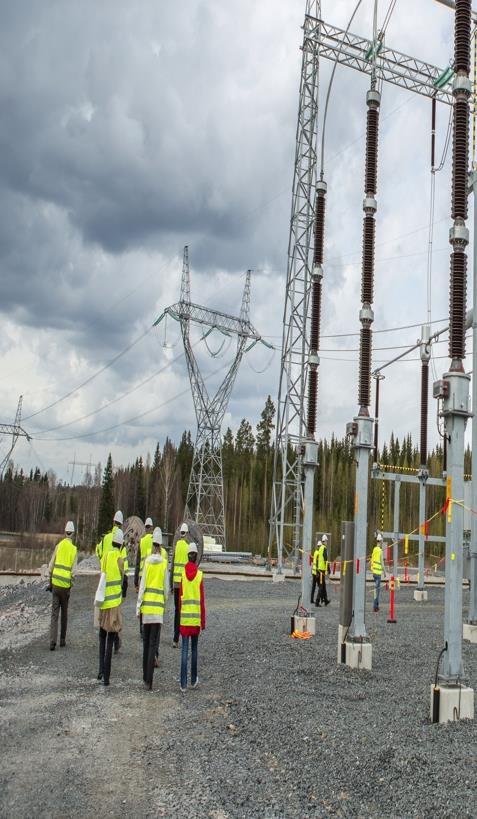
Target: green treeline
(157, 486)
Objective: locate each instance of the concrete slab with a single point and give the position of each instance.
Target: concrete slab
(359, 655)
(278, 578)
(420, 596)
(469, 632)
(456, 702)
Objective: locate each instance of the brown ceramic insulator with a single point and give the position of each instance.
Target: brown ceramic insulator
(315, 315)
(319, 228)
(458, 300)
(364, 391)
(371, 173)
(424, 410)
(367, 281)
(463, 14)
(312, 398)
(461, 151)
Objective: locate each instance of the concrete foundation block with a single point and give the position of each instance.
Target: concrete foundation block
(420, 596)
(278, 578)
(359, 655)
(469, 632)
(454, 702)
(305, 624)
(342, 632)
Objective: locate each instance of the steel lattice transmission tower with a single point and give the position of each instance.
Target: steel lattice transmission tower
(16, 431)
(287, 491)
(205, 495)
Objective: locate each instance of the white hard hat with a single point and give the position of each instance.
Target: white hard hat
(70, 527)
(118, 537)
(118, 518)
(319, 543)
(192, 549)
(148, 522)
(324, 539)
(379, 537)
(157, 535)
(184, 528)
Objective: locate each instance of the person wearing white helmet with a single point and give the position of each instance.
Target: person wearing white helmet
(151, 604)
(62, 567)
(314, 571)
(377, 569)
(105, 544)
(143, 551)
(191, 614)
(110, 619)
(179, 560)
(322, 566)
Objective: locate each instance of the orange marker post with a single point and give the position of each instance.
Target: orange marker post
(391, 618)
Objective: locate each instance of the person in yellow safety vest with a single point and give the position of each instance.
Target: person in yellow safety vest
(151, 604)
(61, 568)
(314, 571)
(179, 560)
(106, 542)
(323, 567)
(377, 569)
(192, 615)
(110, 620)
(143, 551)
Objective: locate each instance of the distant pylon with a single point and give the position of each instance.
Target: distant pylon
(205, 494)
(16, 431)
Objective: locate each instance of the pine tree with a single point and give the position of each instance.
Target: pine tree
(106, 505)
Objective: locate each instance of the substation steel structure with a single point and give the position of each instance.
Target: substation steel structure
(295, 444)
(205, 493)
(14, 430)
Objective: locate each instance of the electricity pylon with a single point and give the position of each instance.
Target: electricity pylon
(16, 431)
(205, 494)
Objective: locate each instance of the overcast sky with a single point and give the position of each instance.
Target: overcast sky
(129, 130)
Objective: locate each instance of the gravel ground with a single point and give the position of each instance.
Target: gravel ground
(276, 728)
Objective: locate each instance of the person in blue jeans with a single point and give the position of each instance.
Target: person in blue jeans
(191, 615)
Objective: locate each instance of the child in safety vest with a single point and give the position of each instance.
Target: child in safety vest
(151, 604)
(191, 615)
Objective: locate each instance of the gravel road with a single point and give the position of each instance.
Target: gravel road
(276, 728)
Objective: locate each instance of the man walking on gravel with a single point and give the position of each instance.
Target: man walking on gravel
(179, 560)
(151, 603)
(377, 569)
(61, 568)
(314, 571)
(192, 615)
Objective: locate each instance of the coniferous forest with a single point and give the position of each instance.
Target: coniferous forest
(157, 484)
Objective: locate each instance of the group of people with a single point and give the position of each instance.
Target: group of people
(321, 567)
(152, 581)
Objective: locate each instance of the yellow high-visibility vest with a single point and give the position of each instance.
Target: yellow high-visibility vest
(377, 561)
(190, 600)
(155, 581)
(123, 554)
(105, 544)
(145, 549)
(65, 557)
(322, 563)
(109, 565)
(181, 554)
(314, 566)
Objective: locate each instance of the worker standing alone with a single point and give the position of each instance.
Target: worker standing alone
(151, 603)
(61, 568)
(179, 560)
(110, 620)
(377, 569)
(322, 568)
(192, 615)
